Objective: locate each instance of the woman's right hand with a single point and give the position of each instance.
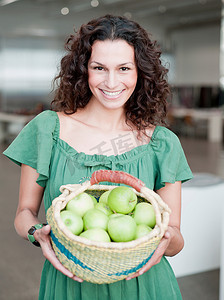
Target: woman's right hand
(43, 237)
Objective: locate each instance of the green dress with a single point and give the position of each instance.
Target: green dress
(161, 160)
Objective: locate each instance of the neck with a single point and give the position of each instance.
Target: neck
(97, 115)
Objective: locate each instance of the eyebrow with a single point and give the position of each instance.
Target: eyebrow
(98, 63)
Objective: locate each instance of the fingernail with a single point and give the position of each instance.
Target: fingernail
(141, 272)
(128, 278)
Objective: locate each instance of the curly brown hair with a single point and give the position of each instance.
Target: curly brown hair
(147, 104)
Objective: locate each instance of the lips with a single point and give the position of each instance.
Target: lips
(112, 94)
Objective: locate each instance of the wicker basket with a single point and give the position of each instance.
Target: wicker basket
(101, 262)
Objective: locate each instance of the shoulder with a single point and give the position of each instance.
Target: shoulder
(46, 115)
(163, 133)
(44, 123)
(165, 142)
(45, 119)
(170, 156)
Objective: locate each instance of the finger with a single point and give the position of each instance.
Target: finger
(167, 235)
(62, 269)
(133, 276)
(156, 257)
(76, 278)
(46, 229)
(145, 268)
(56, 263)
(50, 254)
(42, 235)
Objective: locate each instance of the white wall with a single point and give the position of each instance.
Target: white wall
(197, 53)
(201, 226)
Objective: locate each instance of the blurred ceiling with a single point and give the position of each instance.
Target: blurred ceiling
(58, 18)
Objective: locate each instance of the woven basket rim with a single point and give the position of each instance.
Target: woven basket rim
(71, 190)
(111, 245)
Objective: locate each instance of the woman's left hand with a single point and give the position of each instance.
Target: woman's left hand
(156, 257)
(172, 241)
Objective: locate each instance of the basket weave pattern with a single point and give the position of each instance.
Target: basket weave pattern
(100, 262)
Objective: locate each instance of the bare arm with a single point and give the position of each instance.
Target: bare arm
(171, 194)
(30, 198)
(172, 242)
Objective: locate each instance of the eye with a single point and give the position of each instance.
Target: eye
(124, 68)
(98, 68)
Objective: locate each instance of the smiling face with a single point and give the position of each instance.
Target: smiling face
(112, 73)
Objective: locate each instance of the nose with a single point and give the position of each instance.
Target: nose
(111, 80)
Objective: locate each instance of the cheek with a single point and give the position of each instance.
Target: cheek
(93, 79)
(132, 81)
(90, 79)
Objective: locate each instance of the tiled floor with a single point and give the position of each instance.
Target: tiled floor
(21, 263)
(202, 286)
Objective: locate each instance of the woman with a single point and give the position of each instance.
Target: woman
(108, 113)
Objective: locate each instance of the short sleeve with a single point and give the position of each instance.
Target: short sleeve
(33, 145)
(172, 164)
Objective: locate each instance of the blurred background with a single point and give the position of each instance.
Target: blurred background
(191, 36)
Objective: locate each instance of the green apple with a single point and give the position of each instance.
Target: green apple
(95, 218)
(142, 230)
(122, 228)
(73, 221)
(104, 208)
(122, 199)
(93, 198)
(144, 214)
(80, 204)
(104, 197)
(96, 234)
(114, 215)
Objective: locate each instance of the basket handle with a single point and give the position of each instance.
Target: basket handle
(116, 177)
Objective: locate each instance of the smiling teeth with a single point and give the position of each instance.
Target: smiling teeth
(112, 93)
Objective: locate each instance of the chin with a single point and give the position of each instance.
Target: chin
(114, 103)
(114, 107)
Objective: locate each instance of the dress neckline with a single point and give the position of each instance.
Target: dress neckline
(133, 152)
